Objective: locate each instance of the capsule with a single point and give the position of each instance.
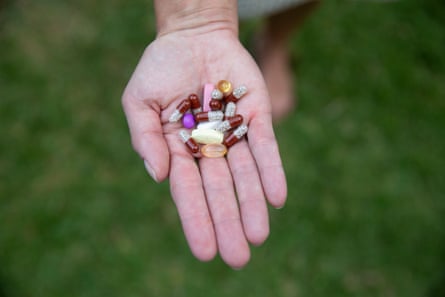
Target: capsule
(207, 136)
(236, 94)
(195, 103)
(189, 142)
(208, 125)
(235, 136)
(225, 87)
(215, 104)
(180, 110)
(214, 150)
(209, 116)
(230, 110)
(230, 123)
(217, 94)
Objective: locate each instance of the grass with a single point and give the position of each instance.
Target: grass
(364, 157)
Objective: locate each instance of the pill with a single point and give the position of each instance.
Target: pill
(214, 150)
(208, 125)
(215, 104)
(188, 141)
(195, 103)
(225, 87)
(188, 121)
(207, 96)
(209, 116)
(217, 94)
(207, 136)
(230, 109)
(230, 123)
(236, 94)
(235, 136)
(182, 107)
(240, 91)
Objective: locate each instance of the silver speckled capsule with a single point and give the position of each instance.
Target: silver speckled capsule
(230, 109)
(217, 94)
(240, 91)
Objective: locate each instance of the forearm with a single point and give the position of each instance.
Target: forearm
(199, 16)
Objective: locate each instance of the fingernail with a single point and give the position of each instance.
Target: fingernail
(150, 171)
(279, 207)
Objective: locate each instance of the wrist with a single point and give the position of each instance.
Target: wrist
(196, 16)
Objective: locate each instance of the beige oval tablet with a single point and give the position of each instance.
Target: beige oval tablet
(214, 150)
(207, 136)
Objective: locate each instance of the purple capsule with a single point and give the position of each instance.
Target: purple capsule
(188, 121)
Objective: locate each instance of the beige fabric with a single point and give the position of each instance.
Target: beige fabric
(255, 8)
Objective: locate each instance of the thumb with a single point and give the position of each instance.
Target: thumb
(147, 137)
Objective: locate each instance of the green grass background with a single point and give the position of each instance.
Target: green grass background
(364, 156)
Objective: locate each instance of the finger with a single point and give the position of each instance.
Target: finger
(264, 147)
(250, 193)
(147, 136)
(218, 185)
(188, 195)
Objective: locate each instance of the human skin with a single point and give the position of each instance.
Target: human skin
(221, 201)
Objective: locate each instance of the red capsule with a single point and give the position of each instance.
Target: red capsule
(215, 104)
(236, 94)
(188, 141)
(194, 100)
(210, 116)
(182, 107)
(235, 136)
(235, 121)
(230, 140)
(230, 123)
(192, 145)
(231, 98)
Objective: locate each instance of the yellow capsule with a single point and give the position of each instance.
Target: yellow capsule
(214, 150)
(207, 136)
(225, 87)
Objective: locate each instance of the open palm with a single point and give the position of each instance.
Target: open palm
(221, 201)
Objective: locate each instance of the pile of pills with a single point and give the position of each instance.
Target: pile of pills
(215, 124)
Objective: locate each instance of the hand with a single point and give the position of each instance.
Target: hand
(221, 202)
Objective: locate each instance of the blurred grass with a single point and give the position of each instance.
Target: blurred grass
(364, 156)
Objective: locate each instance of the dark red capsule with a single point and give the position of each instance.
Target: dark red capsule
(215, 104)
(194, 100)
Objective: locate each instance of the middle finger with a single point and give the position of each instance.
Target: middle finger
(221, 199)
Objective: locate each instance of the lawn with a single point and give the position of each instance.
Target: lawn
(364, 155)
